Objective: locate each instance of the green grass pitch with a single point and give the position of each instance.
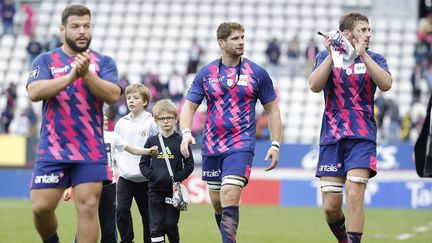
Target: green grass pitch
(261, 224)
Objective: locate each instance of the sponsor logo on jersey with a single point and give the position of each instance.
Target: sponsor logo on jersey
(55, 70)
(359, 68)
(242, 80)
(328, 168)
(34, 73)
(211, 173)
(47, 179)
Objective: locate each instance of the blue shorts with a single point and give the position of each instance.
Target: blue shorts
(214, 168)
(63, 175)
(337, 159)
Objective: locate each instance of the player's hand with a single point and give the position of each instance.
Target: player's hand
(153, 150)
(274, 155)
(67, 194)
(184, 146)
(82, 61)
(360, 45)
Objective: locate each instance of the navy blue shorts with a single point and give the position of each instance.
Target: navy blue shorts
(337, 159)
(63, 175)
(214, 168)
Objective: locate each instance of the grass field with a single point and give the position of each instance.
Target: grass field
(260, 224)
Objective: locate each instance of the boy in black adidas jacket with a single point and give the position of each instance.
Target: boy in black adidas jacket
(164, 217)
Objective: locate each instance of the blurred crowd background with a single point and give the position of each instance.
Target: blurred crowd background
(162, 44)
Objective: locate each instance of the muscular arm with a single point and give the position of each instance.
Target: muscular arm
(274, 120)
(44, 89)
(318, 78)
(187, 113)
(104, 90)
(186, 118)
(381, 77)
(275, 127)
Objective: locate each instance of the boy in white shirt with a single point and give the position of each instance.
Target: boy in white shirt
(135, 128)
(107, 206)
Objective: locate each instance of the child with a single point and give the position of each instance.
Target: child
(164, 217)
(135, 128)
(113, 143)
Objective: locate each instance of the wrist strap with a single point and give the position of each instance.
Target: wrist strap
(165, 155)
(185, 131)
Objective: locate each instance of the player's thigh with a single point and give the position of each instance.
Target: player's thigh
(360, 154)
(87, 197)
(89, 172)
(237, 164)
(45, 200)
(332, 195)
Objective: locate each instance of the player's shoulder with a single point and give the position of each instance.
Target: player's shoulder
(323, 54)
(100, 56)
(257, 68)
(375, 55)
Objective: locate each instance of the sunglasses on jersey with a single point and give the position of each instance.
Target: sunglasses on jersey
(165, 118)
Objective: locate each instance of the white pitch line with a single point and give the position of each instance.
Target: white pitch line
(421, 229)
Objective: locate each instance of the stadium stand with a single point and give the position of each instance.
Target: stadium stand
(155, 35)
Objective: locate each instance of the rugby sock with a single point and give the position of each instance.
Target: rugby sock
(354, 237)
(339, 230)
(229, 224)
(218, 218)
(53, 239)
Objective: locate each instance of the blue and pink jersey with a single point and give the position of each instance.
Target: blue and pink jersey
(349, 101)
(71, 129)
(231, 94)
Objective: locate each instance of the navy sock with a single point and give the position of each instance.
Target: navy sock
(354, 237)
(53, 239)
(229, 224)
(218, 218)
(339, 231)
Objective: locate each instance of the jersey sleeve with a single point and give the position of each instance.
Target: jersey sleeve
(39, 69)
(119, 143)
(381, 61)
(266, 92)
(320, 57)
(108, 70)
(196, 91)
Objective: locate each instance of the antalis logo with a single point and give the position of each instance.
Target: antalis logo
(212, 173)
(48, 179)
(328, 168)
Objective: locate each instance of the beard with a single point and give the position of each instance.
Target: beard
(72, 44)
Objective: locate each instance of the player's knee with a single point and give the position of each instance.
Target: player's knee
(234, 180)
(41, 209)
(357, 179)
(331, 187)
(214, 186)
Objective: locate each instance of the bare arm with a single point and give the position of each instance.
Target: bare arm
(275, 127)
(104, 90)
(44, 89)
(381, 77)
(141, 151)
(186, 118)
(318, 78)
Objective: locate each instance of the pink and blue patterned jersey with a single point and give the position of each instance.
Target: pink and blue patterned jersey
(231, 94)
(349, 101)
(72, 121)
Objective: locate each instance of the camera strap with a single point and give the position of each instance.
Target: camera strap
(165, 155)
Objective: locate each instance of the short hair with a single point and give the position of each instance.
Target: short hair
(226, 28)
(348, 21)
(74, 10)
(141, 89)
(165, 106)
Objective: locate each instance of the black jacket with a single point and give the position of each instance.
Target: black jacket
(155, 169)
(423, 160)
